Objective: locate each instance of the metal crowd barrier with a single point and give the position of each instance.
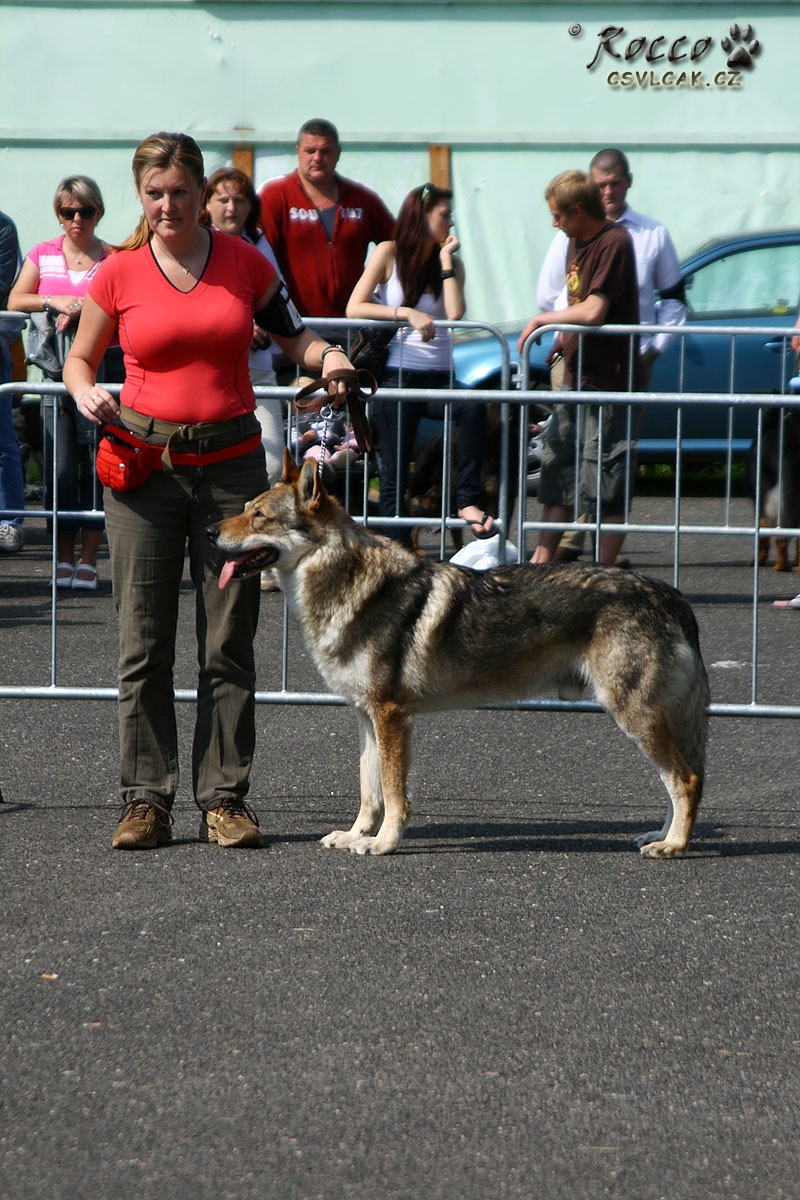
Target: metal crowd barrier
(727, 401)
(514, 392)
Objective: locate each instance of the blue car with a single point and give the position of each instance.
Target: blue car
(750, 280)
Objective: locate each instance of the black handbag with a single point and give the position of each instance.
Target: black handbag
(369, 349)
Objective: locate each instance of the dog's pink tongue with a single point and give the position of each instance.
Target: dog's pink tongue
(225, 575)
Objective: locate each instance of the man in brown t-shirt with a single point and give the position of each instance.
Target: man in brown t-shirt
(603, 289)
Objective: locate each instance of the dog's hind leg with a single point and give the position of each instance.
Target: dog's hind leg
(782, 554)
(671, 732)
(684, 786)
(656, 835)
(392, 724)
(657, 692)
(370, 814)
(685, 789)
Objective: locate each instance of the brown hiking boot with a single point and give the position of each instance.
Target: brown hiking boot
(231, 823)
(144, 824)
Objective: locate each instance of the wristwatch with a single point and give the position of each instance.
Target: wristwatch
(46, 303)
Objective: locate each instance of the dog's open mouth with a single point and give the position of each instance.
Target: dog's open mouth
(243, 565)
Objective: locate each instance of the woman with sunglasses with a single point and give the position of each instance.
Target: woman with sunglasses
(54, 279)
(416, 279)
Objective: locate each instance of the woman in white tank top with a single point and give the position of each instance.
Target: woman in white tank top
(416, 279)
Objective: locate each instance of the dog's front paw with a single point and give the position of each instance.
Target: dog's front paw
(373, 845)
(338, 839)
(358, 842)
(659, 849)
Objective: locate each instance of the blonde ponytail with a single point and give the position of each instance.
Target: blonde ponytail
(139, 237)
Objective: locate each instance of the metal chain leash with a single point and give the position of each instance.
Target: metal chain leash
(326, 412)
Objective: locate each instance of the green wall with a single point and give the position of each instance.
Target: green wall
(507, 85)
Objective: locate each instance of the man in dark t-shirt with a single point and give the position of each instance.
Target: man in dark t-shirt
(603, 289)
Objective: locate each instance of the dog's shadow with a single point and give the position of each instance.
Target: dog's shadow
(581, 837)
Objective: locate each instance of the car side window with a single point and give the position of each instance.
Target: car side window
(761, 282)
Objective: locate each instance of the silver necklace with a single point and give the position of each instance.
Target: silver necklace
(78, 257)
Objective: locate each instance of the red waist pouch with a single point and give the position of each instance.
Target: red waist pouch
(122, 466)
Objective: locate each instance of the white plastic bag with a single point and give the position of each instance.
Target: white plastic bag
(482, 555)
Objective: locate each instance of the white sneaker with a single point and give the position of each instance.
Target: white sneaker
(11, 538)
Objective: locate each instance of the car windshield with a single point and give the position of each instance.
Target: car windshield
(762, 281)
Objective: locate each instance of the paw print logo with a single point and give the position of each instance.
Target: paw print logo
(741, 46)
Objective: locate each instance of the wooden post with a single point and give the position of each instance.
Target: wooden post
(242, 158)
(439, 160)
(19, 369)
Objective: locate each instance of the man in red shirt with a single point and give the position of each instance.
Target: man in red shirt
(320, 224)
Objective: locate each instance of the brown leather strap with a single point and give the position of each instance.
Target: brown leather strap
(360, 386)
(157, 432)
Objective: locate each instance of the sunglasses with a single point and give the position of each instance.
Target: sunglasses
(85, 213)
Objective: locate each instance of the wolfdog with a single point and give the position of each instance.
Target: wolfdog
(780, 481)
(394, 634)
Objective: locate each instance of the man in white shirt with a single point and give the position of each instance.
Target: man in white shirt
(657, 267)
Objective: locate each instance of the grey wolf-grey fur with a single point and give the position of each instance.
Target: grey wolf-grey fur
(395, 635)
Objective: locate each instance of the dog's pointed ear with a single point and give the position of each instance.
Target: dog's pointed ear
(290, 471)
(309, 487)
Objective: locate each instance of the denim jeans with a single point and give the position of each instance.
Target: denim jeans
(395, 433)
(12, 485)
(148, 529)
(78, 485)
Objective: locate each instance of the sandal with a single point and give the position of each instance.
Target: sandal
(478, 527)
(64, 574)
(360, 386)
(87, 581)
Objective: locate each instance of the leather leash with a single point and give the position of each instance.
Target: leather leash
(360, 386)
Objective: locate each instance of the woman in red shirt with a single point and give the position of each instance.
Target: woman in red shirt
(182, 299)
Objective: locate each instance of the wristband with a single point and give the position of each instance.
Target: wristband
(327, 350)
(451, 274)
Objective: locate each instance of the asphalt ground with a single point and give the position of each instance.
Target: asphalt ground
(513, 1005)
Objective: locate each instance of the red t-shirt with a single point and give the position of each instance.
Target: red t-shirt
(186, 354)
(320, 274)
(606, 263)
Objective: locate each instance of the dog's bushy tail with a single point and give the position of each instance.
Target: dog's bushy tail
(689, 716)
